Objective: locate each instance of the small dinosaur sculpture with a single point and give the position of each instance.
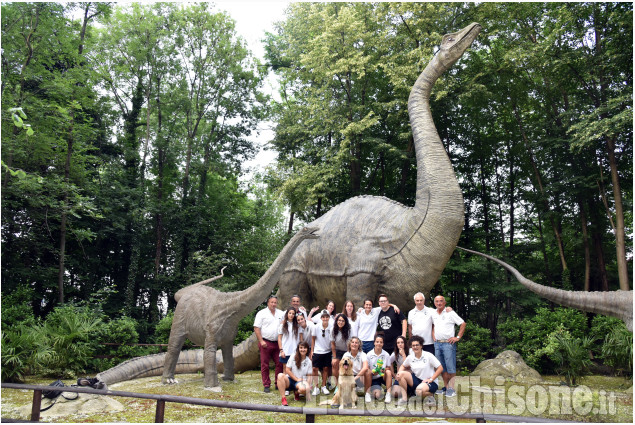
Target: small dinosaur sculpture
(613, 303)
(210, 318)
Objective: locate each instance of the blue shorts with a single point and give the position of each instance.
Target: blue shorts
(377, 382)
(367, 346)
(446, 353)
(432, 386)
(283, 360)
(292, 383)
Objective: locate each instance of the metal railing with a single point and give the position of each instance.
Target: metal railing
(309, 412)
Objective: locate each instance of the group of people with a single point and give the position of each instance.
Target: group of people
(305, 345)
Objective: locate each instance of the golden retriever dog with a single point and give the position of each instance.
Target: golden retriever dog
(346, 394)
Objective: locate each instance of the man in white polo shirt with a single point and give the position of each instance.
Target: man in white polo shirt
(445, 342)
(266, 326)
(420, 322)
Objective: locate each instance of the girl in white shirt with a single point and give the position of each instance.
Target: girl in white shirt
(288, 335)
(297, 375)
(351, 314)
(330, 309)
(398, 357)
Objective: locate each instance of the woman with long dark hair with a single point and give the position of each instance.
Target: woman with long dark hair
(341, 334)
(288, 335)
(297, 375)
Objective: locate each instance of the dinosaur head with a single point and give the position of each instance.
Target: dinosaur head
(308, 233)
(455, 44)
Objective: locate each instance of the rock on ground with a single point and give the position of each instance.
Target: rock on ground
(508, 364)
(85, 404)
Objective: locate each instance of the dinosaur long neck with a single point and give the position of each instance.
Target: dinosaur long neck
(437, 187)
(255, 294)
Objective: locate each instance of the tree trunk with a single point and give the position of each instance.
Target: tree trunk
(620, 244)
(65, 207)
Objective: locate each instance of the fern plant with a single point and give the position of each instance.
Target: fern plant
(571, 355)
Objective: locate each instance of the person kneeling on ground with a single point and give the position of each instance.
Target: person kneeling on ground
(297, 376)
(424, 371)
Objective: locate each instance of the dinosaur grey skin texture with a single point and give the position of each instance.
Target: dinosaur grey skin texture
(209, 318)
(614, 303)
(368, 245)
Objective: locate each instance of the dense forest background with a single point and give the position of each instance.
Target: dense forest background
(125, 129)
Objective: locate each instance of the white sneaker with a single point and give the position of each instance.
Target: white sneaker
(388, 398)
(316, 391)
(286, 393)
(367, 398)
(325, 391)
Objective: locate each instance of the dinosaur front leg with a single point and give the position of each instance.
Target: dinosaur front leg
(228, 361)
(209, 362)
(175, 343)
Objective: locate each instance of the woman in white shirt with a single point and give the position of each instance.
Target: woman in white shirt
(297, 375)
(330, 309)
(351, 314)
(397, 358)
(340, 335)
(424, 371)
(288, 335)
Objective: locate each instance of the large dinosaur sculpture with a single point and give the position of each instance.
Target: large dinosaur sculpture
(614, 303)
(209, 318)
(370, 244)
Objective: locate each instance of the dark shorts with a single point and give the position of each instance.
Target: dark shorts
(377, 382)
(433, 387)
(367, 346)
(283, 360)
(339, 354)
(429, 348)
(321, 360)
(292, 383)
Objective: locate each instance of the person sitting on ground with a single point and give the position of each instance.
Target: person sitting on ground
(378, 361)
(361, 371)
(297, 375)
(424, 371)
(397, 358)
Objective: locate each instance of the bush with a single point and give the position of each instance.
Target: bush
(529, 336)
(22, 352)
(571, 355)
(70, 333)
(245, 328)
(475, 346)
(617, 350)
(16, 308)
(121, 331)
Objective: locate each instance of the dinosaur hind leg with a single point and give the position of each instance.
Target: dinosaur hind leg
(209, 361)
(228, 361)
(294, 283)
(360, 287)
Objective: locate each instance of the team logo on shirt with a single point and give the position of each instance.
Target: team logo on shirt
(385, 322)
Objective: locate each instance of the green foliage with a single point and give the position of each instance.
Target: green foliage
(120, 331)
(162, 330)
(246, 326)
(617, 350)
(528, 336)
(475, 346)
(70, 332)
(23, 351)
(16, 308)
(571, 355)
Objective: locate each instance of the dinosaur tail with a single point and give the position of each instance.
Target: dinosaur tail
(190, 361)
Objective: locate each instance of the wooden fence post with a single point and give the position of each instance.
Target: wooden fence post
(158, 417)
(37, 404)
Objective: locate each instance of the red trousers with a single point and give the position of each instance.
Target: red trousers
(266, 355)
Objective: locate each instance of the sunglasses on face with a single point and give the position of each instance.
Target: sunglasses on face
(323, 332)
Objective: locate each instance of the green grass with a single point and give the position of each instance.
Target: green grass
(611, 397)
